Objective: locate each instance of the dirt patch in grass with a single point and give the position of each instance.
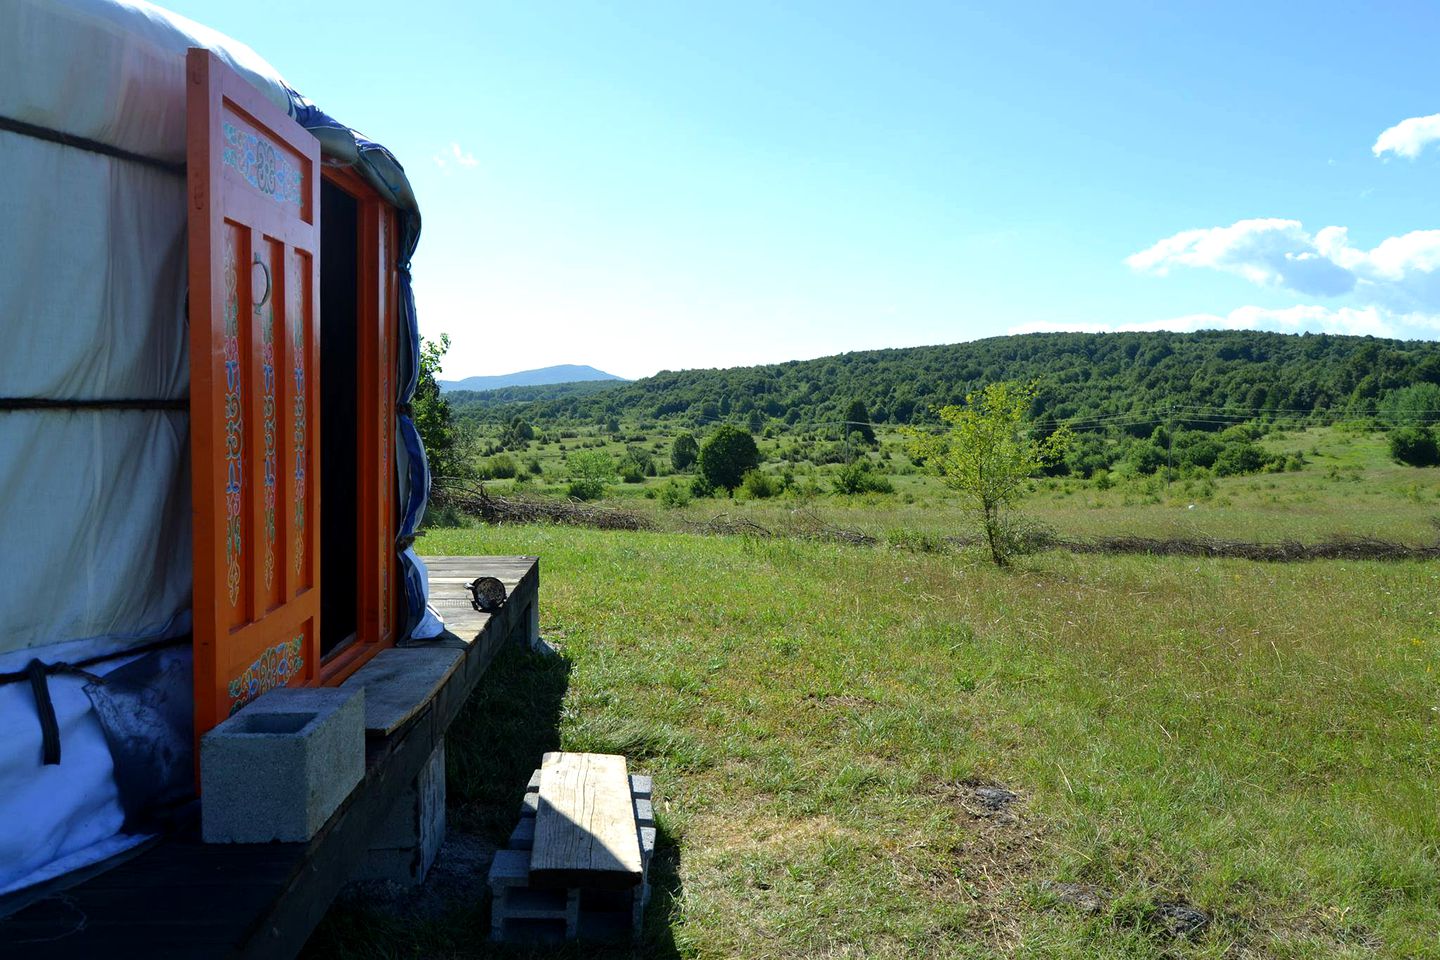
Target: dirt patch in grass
(849, 701)
(998, 857)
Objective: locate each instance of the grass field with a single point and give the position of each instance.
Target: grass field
(828, 727)
(1348, 487)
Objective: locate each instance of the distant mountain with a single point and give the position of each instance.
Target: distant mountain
(561, 373)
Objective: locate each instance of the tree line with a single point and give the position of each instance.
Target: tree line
(1080, 376)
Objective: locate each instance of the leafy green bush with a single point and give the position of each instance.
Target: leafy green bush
(1239, 458)
(499, 467)
(591, 473)
(684, 451)
(860, 477)
(675, 495)
(637, 464)
(727, 455)
(1196, 448)
(701, 487)
(1088, 454)
(1144, 457)
(1415, 446)
(1242, 432)
(759, 485)
(1417, 403)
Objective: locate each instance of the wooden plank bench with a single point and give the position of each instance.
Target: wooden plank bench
(577, 864)
(183, 898)
(585, 824)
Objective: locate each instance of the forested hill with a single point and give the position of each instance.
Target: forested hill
(1080, 376)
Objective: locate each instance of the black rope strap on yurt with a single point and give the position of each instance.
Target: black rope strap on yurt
(84, 143)
(38, 673)
(124, 403)
(137, 403)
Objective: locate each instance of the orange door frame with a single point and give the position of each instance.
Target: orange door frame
(376, 566)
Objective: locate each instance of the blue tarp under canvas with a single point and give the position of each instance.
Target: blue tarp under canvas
(95, 534)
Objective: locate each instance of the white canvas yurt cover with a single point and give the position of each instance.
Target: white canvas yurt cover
(95, 495)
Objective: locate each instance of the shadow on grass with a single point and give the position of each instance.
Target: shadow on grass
(495, 744)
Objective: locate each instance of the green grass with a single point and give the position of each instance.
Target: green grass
(1348, 487)
(1257, 740)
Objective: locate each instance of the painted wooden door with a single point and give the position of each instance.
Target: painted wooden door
(254, 187)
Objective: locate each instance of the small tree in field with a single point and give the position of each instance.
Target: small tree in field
(591, 473)
(726, 456)
(988, 454)
(684, 452)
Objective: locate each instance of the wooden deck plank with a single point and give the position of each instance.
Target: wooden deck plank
(399, 682)
(448, 576)
(585, 826)
(183, 898)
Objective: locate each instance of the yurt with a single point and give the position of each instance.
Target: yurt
(209, 476)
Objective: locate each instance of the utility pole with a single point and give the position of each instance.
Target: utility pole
(1169, 444)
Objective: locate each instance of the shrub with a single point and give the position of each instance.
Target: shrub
(1415, 446)
(1242, 432)
(1196, 448)
(1414, 404)
(859, 477)
(675, 495)
(1239, 458)
(499, 467)
(639, 458)
(1144, 457)
(727, 455)
(684, 452)
(591, 472)
(1088, 455)
(759, 485)
(700, 487)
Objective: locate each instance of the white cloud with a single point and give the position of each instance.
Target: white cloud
(1360, 321)
(1269, 252)
(1408, 137)
(456, 156)
(1401, 273)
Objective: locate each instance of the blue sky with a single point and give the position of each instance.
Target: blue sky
(645, 186)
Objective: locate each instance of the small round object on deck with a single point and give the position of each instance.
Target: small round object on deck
(487, 594)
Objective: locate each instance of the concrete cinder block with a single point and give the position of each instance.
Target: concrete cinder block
(510, 868)
(281, 766)
(405, 846)
(523, 836)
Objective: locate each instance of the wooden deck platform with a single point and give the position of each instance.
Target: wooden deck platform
(184, 898)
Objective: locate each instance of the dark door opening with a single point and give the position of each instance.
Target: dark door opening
(339, 386)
